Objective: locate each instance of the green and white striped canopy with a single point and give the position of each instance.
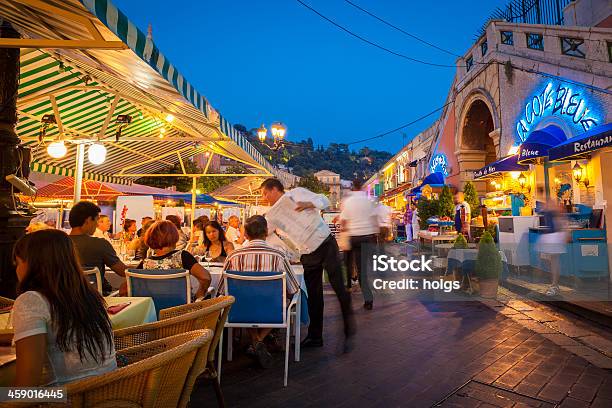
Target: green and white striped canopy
(83, 85)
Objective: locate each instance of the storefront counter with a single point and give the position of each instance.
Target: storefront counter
(586, 253)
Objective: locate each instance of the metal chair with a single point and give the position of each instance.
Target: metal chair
(94, 277)
(167, 287)
(261, 302)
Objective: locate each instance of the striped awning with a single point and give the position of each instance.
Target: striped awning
(89, 87)
(90, 190)
(245, 190)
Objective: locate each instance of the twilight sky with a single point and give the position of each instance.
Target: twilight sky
(274, 60)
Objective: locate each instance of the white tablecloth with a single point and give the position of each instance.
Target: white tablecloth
(215, 273)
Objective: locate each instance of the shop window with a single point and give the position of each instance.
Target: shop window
(507, 37)
(484, 47)
(535, 41)
(469, 62)
(573, 47)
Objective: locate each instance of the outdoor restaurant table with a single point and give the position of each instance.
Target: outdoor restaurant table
(433, 238)
(7, 354)
(466, 260)
(8, 365)
(216, 271)
(141, 310)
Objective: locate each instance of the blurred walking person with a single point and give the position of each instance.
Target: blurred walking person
(318, 250)
(359, 218)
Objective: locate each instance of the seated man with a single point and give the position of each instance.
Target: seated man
(92, 251)
(259, 256)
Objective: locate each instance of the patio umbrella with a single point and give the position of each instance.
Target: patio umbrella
(63, 189)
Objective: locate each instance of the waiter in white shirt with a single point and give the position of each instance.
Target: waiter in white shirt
(320, 250)
(360, 219)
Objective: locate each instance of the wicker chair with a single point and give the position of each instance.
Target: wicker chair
(159, 375)
(203, 318)
(4, 302)
(219, 308)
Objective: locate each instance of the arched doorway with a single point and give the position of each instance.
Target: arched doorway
(476, 146)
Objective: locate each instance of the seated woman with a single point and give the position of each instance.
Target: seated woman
(57, 342)
(215, 243)
(142, 249)
(161, 238)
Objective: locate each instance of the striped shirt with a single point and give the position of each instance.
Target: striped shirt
(258, 256)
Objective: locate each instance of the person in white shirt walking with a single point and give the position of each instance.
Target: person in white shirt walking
(318, 250)
(359, 217)
(103, 227)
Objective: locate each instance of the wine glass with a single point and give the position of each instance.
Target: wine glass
(208, 257)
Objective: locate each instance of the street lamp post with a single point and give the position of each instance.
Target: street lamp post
(278, 131)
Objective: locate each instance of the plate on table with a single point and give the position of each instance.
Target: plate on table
(211, 264)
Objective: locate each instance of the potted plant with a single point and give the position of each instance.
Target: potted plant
(460, 242)
(488, 266)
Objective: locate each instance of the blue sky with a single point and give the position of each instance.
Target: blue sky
(274, 60)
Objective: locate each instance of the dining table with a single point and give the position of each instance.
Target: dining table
(8, 358)
(139, 310)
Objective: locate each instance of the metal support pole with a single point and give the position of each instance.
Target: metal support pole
(14, 218)
(194, 184)
(78, 172)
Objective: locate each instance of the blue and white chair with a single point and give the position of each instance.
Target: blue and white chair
(167, 287)
(261, 302)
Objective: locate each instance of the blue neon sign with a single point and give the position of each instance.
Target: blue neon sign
(439, 164)
(567, 102)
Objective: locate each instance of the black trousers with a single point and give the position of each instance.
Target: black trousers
(361, 247)
(325, 256)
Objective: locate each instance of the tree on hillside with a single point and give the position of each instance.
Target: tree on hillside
(313, 184)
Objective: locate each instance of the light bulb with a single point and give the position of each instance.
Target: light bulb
(57, 150)
(169, 118)
(97, 153)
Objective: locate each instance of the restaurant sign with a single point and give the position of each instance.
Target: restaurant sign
(485, 171)
(582, 145)
(439, 164)
(572, 105)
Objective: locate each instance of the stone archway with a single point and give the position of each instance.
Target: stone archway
(478, 138)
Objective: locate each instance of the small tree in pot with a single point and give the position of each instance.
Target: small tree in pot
(488, 266)
(460, 242)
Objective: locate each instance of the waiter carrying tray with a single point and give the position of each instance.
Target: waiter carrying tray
(295, 216)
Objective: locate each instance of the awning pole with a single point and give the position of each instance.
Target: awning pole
(78, 173)
(193, 199)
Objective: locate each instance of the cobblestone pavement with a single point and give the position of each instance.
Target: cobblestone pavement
(419, 354)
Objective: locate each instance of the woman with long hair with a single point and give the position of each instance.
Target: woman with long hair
(161, 238)
(62, 330)
(215, 243)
